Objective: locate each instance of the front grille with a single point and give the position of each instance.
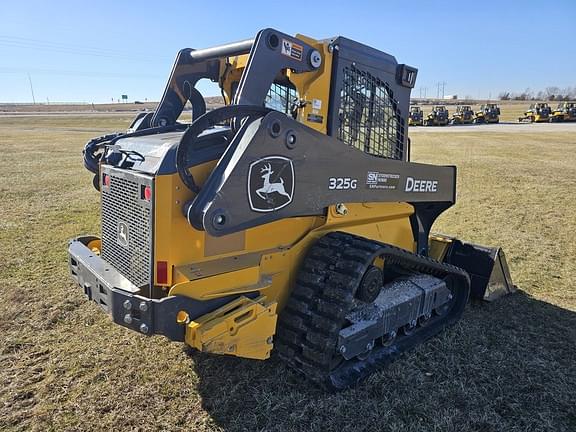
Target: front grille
(369, 116)
(127, 225)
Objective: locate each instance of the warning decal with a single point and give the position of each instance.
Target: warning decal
(291, 49)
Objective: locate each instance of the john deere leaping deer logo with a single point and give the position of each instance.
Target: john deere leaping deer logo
(270, 183)
(122, 234)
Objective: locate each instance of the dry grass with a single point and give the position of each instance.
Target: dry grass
(507, 366)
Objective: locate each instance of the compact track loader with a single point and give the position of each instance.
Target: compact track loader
(565, 111)
(463, 115)
(290, 219)
(416, 116)
(488, 113)
(537, 113)
(439, 116)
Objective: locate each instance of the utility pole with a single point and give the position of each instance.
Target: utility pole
(32, 89)
(443, 85)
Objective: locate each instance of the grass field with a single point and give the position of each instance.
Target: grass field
(507, 366)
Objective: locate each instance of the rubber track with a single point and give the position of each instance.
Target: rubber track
(323, 294)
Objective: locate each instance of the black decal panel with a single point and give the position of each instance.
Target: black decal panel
(267, 179)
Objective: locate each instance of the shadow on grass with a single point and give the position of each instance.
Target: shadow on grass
(508, 365)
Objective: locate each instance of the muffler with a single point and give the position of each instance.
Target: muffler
(487, 267)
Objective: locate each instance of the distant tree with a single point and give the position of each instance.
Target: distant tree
(552, 92)
(568, 93)
(525, 95)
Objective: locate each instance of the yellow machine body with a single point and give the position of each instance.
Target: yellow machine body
(263, 257)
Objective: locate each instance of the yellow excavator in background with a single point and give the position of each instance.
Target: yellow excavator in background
(291, 219)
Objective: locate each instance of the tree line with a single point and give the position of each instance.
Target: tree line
(549, 93)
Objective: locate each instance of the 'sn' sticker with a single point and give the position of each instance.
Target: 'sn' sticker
(378, 180)
(292, 50)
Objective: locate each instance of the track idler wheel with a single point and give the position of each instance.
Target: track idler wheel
(370, 285)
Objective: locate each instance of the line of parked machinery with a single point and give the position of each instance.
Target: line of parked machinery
(542, 112)
(489, 113)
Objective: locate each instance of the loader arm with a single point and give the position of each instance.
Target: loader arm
(268, 54)
(306, 165)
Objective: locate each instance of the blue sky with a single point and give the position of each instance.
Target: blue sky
(93, 51)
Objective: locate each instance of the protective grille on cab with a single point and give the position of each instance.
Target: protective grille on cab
(281, 97)
(127, 228)
(369, 115)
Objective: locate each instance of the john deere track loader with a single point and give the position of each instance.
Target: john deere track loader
(488, 113)
(463, 115)
(439, 116)
(565, 111)
(537, 113)
(290, 219)
(416, 116)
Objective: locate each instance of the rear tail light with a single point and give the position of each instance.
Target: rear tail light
(106, 180)
(145, 193)
(161, 272)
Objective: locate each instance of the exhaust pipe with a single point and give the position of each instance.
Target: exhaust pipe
(487, 267)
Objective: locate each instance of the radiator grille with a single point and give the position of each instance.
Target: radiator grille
(123, 211)
(369, 116)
